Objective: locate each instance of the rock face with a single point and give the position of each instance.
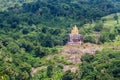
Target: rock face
(75, 52)
(74, 38)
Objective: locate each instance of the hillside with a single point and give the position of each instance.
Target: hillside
(73, 55)
(53, 18)
(33, 39)
(22, 58)
(5, 4)
(62, 13)
(95, 60)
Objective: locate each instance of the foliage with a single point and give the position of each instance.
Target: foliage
(116, 18)
(36, 28)
(89, 39)
(51, 72)
(98, 27)
(68, 76)
(5, 4)
(103, 63)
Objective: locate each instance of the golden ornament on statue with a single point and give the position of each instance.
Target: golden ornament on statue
(74, 30)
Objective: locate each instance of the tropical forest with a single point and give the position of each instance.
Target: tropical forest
(59, 39)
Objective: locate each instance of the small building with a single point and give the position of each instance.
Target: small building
(74, 38)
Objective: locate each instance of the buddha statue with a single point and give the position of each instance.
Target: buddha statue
(74, 38)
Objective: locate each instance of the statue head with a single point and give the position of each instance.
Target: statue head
(74, 30)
